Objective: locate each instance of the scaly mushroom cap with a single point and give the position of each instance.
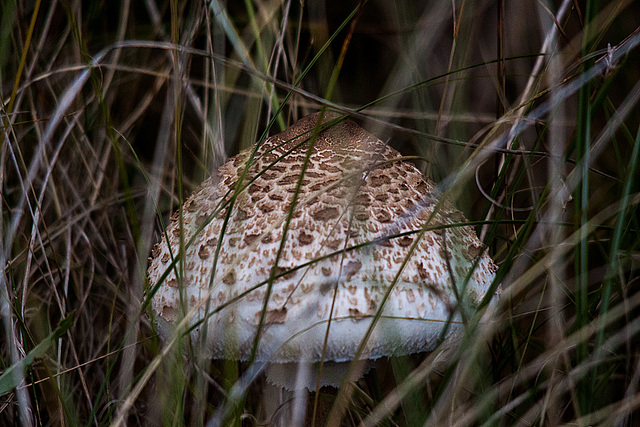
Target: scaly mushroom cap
(355, 223)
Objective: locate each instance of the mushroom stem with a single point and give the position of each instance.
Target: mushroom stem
(296, 376)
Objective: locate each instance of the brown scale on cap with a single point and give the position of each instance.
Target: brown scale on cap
(354, 191)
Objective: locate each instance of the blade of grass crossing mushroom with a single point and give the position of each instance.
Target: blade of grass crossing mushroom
(345, 389)
(332, 83)
(581, 196)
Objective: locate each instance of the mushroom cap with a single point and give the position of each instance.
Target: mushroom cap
(355, 225)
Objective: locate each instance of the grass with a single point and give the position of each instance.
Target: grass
(526, 114)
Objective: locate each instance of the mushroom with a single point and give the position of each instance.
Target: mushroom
(369, 239)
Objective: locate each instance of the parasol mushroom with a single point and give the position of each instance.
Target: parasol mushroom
(368, 240)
